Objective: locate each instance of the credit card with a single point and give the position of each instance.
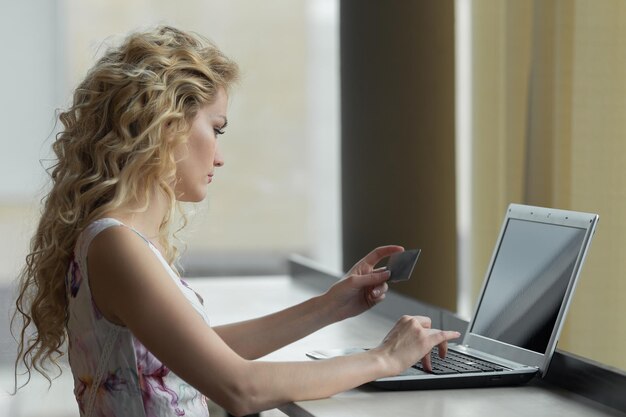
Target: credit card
(401, 264)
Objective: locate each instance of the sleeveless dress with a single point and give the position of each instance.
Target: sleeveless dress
(114, 374)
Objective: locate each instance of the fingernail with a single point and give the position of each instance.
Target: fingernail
(375, 293)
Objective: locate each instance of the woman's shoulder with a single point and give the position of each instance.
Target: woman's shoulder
(91, 231)
(109, 239)
(121, 267)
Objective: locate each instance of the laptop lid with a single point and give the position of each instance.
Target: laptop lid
(529, 283)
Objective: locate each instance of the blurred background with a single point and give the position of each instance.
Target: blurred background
(356, 124)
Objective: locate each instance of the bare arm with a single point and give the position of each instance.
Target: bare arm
(362, 288)
(276, 330)
(136, 291)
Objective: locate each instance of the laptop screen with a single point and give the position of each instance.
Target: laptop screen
(527, 283)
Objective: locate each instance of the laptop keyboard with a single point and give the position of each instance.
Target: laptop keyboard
(455, 363)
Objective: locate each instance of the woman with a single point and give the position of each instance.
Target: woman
(140, 136)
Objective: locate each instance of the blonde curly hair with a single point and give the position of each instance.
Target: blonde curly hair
(132, 109)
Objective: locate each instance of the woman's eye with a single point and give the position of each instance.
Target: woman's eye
(218, 131)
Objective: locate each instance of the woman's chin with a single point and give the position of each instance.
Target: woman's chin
(192, 197)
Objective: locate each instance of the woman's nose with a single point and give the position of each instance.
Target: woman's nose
(219, 160)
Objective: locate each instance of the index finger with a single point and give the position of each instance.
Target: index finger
(380, 253)
(440, 337)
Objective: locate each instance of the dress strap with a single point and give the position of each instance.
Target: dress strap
(87, 235)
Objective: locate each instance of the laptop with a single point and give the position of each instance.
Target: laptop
(527, 290)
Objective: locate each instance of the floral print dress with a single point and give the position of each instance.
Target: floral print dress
(114, 374)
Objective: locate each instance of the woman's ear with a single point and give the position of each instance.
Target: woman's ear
(171, 130)
(174, 127)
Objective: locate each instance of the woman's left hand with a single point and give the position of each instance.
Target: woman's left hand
(363, 286)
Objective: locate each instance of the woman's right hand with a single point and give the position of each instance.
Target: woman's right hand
(412, 339)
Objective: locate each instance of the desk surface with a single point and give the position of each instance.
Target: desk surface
(233, 299)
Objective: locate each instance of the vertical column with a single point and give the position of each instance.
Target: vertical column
(398, 114)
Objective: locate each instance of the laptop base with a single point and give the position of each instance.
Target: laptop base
(400, 384)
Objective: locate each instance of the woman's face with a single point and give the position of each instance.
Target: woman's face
(200, 155)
